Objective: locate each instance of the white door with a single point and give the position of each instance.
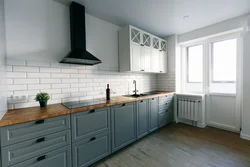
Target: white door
(135, 57)
(223, 93)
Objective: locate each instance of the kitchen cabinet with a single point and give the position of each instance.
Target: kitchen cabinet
(166, 115)
(91, 149)
(123, 125)
(153, 114)
(140, 51)
(142, 118)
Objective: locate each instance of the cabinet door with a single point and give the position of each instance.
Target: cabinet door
(123, 125)
(135, 36)
(142, 118)
(153, 114)
(163, 46)
(163, 62)
(146, 39)
(145, 59)
(90, 150)
(89, 123)
(135, 57)
(155, 60)
(163, 119)
(58, 158)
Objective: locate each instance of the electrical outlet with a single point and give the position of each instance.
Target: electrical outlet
(19, 98)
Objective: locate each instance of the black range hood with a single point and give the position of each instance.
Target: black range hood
(78, 53)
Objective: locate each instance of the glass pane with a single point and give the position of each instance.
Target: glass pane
(224, 61)
(135, 35)
(194, 63)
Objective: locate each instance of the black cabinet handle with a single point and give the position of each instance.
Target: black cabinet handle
(166, 95)
(41, 140)
(142, 70)
(166, 103)
(160, 71)
(142, 44)
(141, 101)
(153, 98)
(40, 121)
(91, 111)
(92, 139)
(41, 158)
(123, 104)
(160, 50)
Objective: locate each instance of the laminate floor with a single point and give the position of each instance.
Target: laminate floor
(179, 145)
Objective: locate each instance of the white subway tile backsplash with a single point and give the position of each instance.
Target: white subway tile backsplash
(69, 80)
(66, 82)
(69, 90)
(38, 75)
(16, 75)
(54, 86)
(50, 81)
(9, 68)
(69, 71)
(60, 96)
(48, 70)
(9, 81)
(52, 91)
(38, 86)
(17, 87)
(26, 81)
(25, 69)
(59, 75)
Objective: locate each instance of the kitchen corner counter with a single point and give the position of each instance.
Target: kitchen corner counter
(23, 115)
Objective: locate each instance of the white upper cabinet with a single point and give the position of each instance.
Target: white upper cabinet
(140, 51)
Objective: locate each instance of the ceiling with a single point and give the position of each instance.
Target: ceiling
(165, 17)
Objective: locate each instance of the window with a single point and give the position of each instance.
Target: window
(194, 64)
(224, 54)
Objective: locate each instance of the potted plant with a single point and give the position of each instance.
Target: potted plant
(42, 98)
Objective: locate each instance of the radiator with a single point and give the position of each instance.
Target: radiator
(188, 109)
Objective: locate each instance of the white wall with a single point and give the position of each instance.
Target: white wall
(38, 37)
(3, 102)
(224, 26)
(166, 82)
(246, 83)
(39, 30)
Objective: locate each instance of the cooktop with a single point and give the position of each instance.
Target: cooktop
(82, 103)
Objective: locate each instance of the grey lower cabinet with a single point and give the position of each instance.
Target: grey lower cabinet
(153, 114)
(123, 119)
(166, 115)
(58, 158)
(90, 136)
(90, 150)
(142, 118)
(38, 143)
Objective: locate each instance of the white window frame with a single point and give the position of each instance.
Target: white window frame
(206, 42)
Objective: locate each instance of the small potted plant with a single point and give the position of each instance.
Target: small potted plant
(42, 98)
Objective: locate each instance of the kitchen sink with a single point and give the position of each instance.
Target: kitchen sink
(141, 95)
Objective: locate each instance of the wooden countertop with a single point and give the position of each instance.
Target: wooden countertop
(35, 113)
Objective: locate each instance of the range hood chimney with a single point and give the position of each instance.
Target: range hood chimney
(78, 53)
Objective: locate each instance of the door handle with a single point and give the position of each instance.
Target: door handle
(41, 140)
(41, 158)
(91, 111)
(40, 121)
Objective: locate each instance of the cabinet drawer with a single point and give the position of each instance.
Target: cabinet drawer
(90, 150)
(58, 158)
(166, 98)
(162, 119)
(31, 148)
(89, 123)
(26, 131)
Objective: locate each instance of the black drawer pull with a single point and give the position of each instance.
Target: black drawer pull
(141, 101)
(166, 103)
(41, 158)
(92, 139)
(91, 111)
(123, 104)
(40, 121)
(166, 95)
(153, 98)
(41, 140)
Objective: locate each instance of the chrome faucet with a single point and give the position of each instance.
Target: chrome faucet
(135, 91)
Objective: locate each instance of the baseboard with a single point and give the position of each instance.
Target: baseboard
(201, 125)
(244, 136)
